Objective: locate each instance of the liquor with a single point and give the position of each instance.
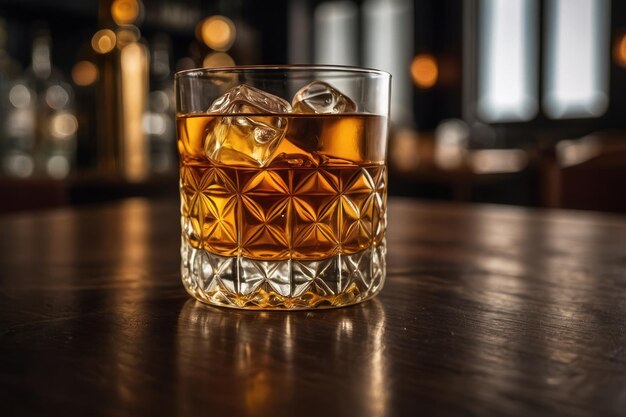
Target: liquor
(39, 127)
(304, 228)
(283, 203)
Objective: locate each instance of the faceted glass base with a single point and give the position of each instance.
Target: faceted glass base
(239, 282)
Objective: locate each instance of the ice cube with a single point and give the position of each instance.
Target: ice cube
(248, 126)
(320, 97)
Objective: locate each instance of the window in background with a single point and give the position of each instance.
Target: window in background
(507, 60)
(576, 58)
(299, 32)
(336, 31)
(388, 32)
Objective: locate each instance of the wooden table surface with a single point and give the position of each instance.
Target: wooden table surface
(486, 311)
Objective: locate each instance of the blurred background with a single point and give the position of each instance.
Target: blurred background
(500, 101)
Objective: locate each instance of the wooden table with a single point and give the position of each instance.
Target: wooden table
(486, 311)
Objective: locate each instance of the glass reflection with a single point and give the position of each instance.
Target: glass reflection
(274, 361)
(134, 234)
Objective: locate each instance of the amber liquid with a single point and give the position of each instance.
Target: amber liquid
(322, 193)
(298, 223)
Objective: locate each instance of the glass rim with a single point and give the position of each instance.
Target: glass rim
(345, 69)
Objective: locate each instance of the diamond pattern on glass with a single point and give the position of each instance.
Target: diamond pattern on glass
(209, 203)
(357, 183)
(265, 182)
(304, 273)
(357, 269)
(265, 234)
(314, 234)
(221, 269)
(252, 275)
(327, 278)
(239, 281)
(185, 266)
(321, 181)
(280, 214)
(380, 207)
(269, 275)
(218, 223)
(273, 237)
(379, 264)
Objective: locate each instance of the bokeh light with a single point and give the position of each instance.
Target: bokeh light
(19, 164)
(493, 161)
(127, 35)
(103, 41)
(58, 166)
(84, 73)
(125, 12)
(57, 97)
(619, 51)
(63, 125)
(451, 143)
(405, 150)
(154, 123)
(572, 152)
(217, 32)
(218, 59)
(424, 71)
(20, 96)
(159, 101)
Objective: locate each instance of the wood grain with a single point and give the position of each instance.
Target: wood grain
(487, 311)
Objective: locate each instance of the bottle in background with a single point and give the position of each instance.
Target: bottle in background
(17, 116)
(55, 120)
(122, 91)
(158, 121)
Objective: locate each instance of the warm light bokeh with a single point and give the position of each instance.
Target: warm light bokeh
(494, 161)
(103, 41)
(217, 32)
(127, 35)
(125, 12)
(405, 150)
(218, 59)
(619, 51)
(63, 125)
(84, 73)
(134, 78)
(424, 70)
